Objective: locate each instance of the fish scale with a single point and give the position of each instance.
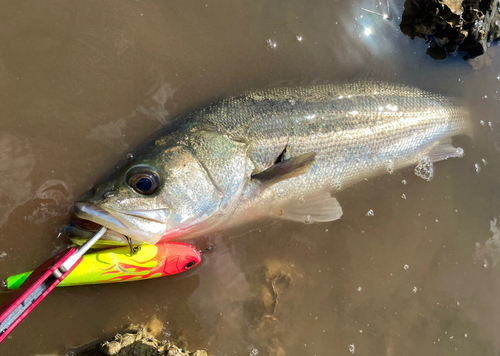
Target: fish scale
(344, 125)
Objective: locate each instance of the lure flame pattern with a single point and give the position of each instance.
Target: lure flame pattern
(117, 265)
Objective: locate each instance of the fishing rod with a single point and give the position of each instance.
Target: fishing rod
(40, 283)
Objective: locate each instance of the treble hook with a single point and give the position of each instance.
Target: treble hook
(133, 249)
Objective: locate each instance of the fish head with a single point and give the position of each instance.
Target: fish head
(169, 192)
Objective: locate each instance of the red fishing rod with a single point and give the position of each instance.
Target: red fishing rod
(39, 284)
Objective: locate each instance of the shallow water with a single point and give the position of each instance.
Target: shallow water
(83, 83)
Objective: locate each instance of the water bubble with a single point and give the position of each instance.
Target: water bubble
(404, 181)
(4, 284)
(299, 38)
(270, 44)
(129, 156)
(490, 124)
(254, 352)
(498, 78)
(360, 289)
(415, 289)
(477, 167)
(370, 213)
(390, 166)
(485, 263)
(484, 162)
(307, 220)
(481, 122)
(406, 267)
(424, 168)
(352, 348)
(403, 196)
(302, 200)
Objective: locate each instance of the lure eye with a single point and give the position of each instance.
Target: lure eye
(190, 265)
(145, 183)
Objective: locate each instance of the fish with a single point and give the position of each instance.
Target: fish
(118, 265)
(279, 152)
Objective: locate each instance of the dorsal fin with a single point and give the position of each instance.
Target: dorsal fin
(379, 71)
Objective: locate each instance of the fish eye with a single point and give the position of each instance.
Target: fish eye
(190, 265)
(144, 182)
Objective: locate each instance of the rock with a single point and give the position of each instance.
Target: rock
(139, 340)
(453, 26)
(200, 353)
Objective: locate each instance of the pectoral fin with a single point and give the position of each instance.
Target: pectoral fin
(317, 208)
(286, 169)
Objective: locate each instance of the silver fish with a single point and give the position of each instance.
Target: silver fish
(278, 152)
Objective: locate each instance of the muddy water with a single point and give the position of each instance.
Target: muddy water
(82, 83)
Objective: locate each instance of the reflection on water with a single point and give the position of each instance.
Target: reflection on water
(83, 83)
(489, 253)
(16, 164)
(154, 108)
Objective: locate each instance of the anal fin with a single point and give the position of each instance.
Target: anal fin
(321, 207)
(443, 150)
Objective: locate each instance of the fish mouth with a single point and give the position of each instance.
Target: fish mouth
(139, 226)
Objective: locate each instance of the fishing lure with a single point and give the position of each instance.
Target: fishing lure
(118, 265)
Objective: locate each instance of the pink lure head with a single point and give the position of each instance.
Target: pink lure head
(181, 257)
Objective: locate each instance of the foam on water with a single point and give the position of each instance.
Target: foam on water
(424, 168)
